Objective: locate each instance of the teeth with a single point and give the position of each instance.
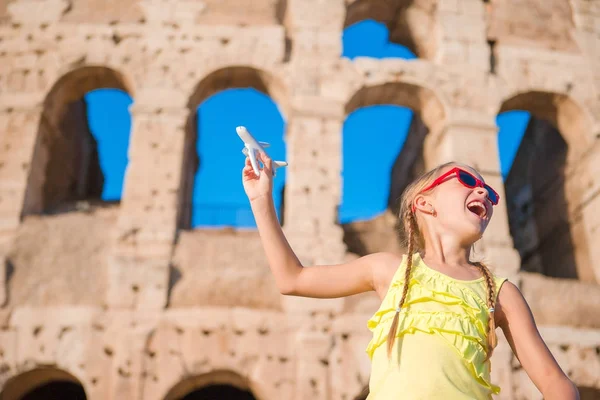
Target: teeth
(479, 205)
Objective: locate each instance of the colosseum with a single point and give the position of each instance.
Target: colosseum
(126, 300)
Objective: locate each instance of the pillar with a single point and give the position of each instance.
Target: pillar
(18, 142)
(139, 262)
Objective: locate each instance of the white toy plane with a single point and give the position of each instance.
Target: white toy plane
(252, 146)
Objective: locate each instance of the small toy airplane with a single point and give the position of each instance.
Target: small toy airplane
(252, 146)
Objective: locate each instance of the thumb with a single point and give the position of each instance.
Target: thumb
(266, 160)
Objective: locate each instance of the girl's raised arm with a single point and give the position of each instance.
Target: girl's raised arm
(518, 325)
(292, 278)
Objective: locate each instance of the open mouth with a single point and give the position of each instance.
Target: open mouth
(477, 208)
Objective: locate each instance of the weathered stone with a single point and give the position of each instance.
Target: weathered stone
(546, 297)
(537, 24)
(127, 301)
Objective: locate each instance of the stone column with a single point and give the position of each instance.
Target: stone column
(314, 127)
(314, 188)
(313, 180)
(312, 377)
(139, 263)
(586, 15)
(463, 34)
(476, 144)
(582, 187)
(18, 143)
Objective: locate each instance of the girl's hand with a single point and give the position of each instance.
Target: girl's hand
(258, 186)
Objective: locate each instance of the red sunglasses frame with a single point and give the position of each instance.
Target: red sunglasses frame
(456, 171)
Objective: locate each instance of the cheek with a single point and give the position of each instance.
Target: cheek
(451, 212)
(452, 196)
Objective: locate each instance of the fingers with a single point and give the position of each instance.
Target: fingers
(264, 159)
(248, 168)
(267, 162)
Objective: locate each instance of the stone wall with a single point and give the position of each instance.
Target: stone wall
(130, 303)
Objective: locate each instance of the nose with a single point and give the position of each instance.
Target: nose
(481, 191)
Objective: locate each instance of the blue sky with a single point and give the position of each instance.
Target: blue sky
(218, 195)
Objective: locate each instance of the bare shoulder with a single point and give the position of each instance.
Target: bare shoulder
(384, 265)
(509, 293)
(511, 303)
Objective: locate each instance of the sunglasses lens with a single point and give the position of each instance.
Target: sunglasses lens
(466, 179)
(491, 194)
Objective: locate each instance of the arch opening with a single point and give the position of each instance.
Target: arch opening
(42, 384)
(225, 99)
(81, 148)
(372, 185)
(221, 392)
(536, 156)
(222, 385)
(562, 112)
(409, 22)
(369, 38)
(375, 171)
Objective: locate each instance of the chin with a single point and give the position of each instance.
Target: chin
(473, 233)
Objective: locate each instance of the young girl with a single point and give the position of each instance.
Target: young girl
(434, 332)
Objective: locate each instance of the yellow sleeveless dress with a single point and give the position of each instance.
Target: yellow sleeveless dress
(440, 343)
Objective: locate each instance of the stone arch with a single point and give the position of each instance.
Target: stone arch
(72, 84)
(409, 22)
(24, 385)
(384, 232)
(543, 215)
(65, 165)
(224, 380)
(232, 77)
(564, 112)
(239, 76)
(419, 98)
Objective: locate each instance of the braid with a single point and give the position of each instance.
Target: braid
(492, 340)
(409, 224)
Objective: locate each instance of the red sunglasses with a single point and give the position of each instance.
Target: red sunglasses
(467, 180)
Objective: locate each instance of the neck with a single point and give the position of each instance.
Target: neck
(446, 250)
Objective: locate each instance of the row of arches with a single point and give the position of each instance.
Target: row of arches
(86, 126)
(53, 383)
(85, 134)
(100, 149)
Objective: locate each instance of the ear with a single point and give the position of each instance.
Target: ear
(423, 204)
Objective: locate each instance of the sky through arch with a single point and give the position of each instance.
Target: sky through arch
(372, 136)
(218, 198)
(109, 122)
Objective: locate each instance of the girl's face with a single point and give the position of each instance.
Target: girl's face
(459, 210)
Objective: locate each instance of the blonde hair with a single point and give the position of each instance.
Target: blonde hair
(416, 243)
